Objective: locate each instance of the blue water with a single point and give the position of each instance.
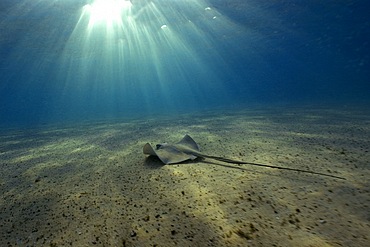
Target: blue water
(70, 61)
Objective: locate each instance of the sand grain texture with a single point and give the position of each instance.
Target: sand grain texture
(90, 184)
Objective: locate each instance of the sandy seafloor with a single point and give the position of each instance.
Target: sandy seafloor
(90, 184)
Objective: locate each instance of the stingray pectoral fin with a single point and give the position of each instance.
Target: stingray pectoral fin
(149, 150)
(189, 143)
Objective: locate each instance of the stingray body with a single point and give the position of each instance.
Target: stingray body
(174, 153)
(188, 149)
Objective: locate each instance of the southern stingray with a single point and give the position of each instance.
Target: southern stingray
(187, 149)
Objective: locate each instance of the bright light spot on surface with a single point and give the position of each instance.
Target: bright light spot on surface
(164, 26)
(106, 10)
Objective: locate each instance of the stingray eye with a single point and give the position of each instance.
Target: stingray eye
(158, 146)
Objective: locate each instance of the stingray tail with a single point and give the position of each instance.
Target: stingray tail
(270, 166)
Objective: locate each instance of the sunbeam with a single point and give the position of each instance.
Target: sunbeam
(148, 49)
(107, 10)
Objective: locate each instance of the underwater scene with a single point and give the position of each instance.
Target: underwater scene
(184, 123)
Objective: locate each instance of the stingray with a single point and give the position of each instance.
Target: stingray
(187, 149)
